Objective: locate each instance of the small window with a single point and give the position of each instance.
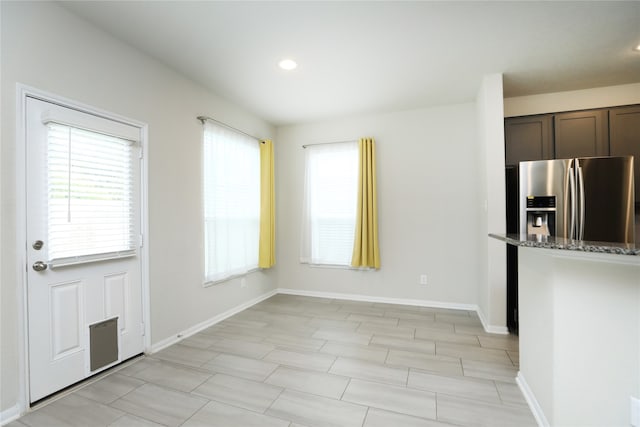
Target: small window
(231, 199)
(330, 204)
(90, 190)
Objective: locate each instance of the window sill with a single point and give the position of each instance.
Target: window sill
(210, 283)
(338, 267)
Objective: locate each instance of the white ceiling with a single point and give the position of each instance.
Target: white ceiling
(366, 57)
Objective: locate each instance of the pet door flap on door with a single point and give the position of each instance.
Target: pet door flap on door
(103, 338)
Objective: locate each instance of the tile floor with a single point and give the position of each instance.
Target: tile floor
(301, 361)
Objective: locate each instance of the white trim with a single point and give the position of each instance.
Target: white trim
(22, 92)
(210, 322)
(535, 407)
(386, 300)
(492, 329)
(10, 414)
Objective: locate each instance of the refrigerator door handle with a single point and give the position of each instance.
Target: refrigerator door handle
(572, 194)
(581, 201)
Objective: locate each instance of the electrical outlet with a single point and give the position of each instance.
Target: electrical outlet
(243, 282)
(423, 279)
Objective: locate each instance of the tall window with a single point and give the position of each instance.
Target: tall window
(329, 217)
(231, 191)
(89, 203)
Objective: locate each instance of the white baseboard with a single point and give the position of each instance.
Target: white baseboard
(209, 322)
(386, 300)
(492, 329)
(535, 407)
(9, 414)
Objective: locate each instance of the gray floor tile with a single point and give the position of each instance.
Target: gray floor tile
(241, 333)
(178, 377)
(239, 366)
(446, 336)
(256, 350)
(390, 331)
(488, 370)
(469, 412)
(411, 315)
(375, 320)
(109, 388)
(139, 365)
(458, 319)
(131, 421)
(473, 353)
(216, 414)
(161, 405)
(471, 388)
(380, 418)
(185, 355)
(355, 351)
(344, 325)
(311, 410)
(306, 360)
(392, 398)
(295, 342)
(235, 391)
(505, 342)
(202, 341)
(72, 410)
(395, 343)
(421, 324)
(510, 393)
(428, 362)
(337, 353)
(342, 336)
(321, 384)
(364, 370)
(244, 323)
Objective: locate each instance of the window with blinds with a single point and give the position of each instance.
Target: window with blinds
(90, 196)
(329, 213)
(231, 200)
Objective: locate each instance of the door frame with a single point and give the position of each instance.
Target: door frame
(23, 92)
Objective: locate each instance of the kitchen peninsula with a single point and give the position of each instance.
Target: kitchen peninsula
(579, 311)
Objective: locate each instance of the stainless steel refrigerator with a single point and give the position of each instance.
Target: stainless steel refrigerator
(583, 198)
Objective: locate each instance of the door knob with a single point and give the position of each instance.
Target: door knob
(39, 266)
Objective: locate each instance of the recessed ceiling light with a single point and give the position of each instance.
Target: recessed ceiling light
(637, 48)
(288, 64)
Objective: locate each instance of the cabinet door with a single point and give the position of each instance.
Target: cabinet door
(581, 134)
(528, 138)
(624, 137)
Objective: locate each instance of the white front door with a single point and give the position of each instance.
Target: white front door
(83, 244)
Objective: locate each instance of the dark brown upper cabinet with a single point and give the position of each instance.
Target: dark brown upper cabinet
(581, 134)
(624, 137)
(528, 138)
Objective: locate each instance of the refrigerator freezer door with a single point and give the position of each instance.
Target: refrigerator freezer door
(547, 178)
(607, 205)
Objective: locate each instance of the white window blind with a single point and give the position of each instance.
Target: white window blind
(89, 203)
(231, 191)
(329, 213)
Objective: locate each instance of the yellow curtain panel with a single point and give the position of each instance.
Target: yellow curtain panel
(267, 250)
(366, 252)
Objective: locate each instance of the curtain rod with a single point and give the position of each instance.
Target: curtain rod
(205, 118)
(334, 142)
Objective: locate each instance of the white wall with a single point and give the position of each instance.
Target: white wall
(580, 335)
(46, 47)
(572, 100)
(492, 281)
(427, 170)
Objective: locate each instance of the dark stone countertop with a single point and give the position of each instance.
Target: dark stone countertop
(551, 242)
